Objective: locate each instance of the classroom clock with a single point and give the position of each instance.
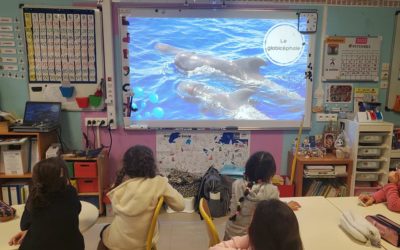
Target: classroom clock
(307, 22)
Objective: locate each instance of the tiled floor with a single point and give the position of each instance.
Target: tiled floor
(178, 231)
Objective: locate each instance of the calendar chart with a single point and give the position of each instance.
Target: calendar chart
(61, 45)
(351, 59)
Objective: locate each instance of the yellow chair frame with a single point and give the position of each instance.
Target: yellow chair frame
(211, 229)
(150, 233)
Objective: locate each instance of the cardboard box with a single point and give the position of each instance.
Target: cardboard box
(4, 127)
(15, 156)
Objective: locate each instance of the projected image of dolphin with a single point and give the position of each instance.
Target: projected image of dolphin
(236, 103)
(245, 71)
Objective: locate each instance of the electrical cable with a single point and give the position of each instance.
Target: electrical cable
(109, 132)
(94, 137)
(64, 146)
(87, 135)
(98, 137)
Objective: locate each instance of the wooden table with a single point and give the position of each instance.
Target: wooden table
(329, 159)
(87, 218)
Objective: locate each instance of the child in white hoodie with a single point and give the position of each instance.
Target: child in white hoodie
(134, 197)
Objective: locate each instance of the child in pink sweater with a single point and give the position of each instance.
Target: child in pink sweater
(274, 226)
(389, 193)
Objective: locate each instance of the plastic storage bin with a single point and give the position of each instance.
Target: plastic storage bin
(365, 190)
(93, 200)
(368, 165)
(87, 185)
(367, 177)
(85, 169)
(70, 167)
(369, 152)
(370, 138)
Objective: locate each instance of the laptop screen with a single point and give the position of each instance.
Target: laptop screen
(45, 112)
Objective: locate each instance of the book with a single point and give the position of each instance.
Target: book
(325, 167)
(13, 195)
(5, 194)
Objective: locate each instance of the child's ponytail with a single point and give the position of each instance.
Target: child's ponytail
(120, 177)
(241, 199)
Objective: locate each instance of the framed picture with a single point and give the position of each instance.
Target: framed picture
(329, 141)
(339, 93)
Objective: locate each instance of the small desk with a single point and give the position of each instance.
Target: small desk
(319, 225)
(87, 218)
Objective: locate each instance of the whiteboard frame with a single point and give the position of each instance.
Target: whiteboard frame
(225, 124)
(394, 79)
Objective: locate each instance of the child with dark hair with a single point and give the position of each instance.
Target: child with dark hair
(51, 216)
(134, 197)
(274, 226)
(248, 192)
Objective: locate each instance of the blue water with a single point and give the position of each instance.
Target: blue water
(156, 74)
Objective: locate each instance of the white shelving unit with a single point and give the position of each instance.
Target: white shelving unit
(395, 159)
(371, 152)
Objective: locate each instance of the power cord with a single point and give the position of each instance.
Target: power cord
(111, 121)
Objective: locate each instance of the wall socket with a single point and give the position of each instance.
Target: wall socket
(322, 117)
(96, 121)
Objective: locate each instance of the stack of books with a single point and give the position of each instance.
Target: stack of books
(15, 192)
(326, 188)
(319, 171)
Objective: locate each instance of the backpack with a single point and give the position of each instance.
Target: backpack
(6, 212)
(215, 190)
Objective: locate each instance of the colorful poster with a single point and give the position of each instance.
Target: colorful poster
(196, 151)
(351, 58)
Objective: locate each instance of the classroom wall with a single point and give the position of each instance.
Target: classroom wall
(340, 20)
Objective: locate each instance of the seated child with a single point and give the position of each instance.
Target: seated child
(389, 193)
(248, 192)
(134, 197)
(274, 226)
(51, 216)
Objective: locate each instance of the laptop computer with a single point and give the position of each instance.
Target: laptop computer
(39, 117)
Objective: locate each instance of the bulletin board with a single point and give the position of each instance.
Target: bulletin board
(393, 100)
(65, 56)
(351, 59)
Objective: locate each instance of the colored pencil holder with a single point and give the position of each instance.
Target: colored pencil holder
(67, 92)
(83, 102)
(94, 100)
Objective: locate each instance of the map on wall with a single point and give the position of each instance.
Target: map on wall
(195, 151)
(351, 58)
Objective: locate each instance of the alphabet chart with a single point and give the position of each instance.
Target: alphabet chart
(351, 59)
(61, 45)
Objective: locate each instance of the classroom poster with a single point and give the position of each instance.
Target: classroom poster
(351, 58)
(365, 95)
(195, 151)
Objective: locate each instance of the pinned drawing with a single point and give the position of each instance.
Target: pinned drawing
(195, 152)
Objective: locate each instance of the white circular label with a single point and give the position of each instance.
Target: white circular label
(283, 44)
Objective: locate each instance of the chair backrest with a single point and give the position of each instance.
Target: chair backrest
(150, 233)
(211, 230)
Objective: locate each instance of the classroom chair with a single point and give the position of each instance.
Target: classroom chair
(150, 233)
(211, 230)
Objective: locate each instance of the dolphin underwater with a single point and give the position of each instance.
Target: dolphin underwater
(217, 99)
(246, 70)
(243, 69)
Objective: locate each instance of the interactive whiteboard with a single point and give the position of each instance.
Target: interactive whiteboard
(214, 68)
